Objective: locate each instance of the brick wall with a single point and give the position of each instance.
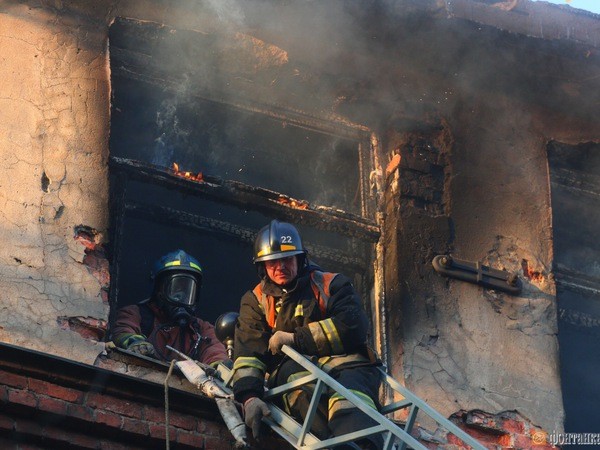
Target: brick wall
(54, 403)
(47, 402)
(505, 430)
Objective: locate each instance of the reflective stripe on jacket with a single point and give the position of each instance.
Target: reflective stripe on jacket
(322, 310)
(323, 332)
(320, 282)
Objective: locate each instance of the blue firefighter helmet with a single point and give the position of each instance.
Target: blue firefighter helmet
(177, 278)
(277, 240)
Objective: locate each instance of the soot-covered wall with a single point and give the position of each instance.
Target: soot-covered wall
(469, 108)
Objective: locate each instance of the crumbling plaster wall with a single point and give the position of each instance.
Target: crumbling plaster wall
(463, 346)
(53, 146)
(481, 190)
(54, 122)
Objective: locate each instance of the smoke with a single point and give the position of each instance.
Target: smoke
(371, 62)
(168, 135)
(360, 59)
(227, 11)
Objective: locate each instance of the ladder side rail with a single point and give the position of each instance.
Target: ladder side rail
(436, 416)
(355, 400)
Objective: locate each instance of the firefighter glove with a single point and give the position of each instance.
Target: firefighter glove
(279, 339)
(142, 348)
(254, 410)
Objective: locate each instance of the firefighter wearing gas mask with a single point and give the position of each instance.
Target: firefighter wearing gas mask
(170, 315)
(320, 315)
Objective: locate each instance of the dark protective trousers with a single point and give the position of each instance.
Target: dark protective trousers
(333, 418)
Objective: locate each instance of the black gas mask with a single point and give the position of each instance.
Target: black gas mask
(178, 293)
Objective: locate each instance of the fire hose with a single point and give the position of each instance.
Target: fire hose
(196, 373)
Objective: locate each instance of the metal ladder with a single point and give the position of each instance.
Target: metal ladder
(394, 436)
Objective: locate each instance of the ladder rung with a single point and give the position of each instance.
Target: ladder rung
(395, 406)
(410, 421)
(312, 410)
(299, 437)
(354, 399)
(273, 392)
(348, 437)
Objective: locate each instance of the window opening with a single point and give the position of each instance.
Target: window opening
(575, 190)
(253, 162)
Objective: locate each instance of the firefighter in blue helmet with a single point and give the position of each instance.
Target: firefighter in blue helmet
(170, 315)
(317, 313)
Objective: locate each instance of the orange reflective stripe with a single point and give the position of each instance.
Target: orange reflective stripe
(317, 293)
(267, 303)
(328, 278)
(320, 283)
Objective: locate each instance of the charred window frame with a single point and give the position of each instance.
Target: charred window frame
(155, 209)
(575, 197)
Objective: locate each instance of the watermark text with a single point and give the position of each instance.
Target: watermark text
(555, 438)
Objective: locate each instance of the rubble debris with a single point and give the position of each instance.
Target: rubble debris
(95, 257)
(87, 236)
(88, 327)
(507, 429)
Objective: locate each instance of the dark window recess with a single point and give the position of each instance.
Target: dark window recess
(203, 136)
(575, 187)
(256, 164)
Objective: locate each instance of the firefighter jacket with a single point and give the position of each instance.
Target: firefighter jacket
(322, 310)
(146, 321)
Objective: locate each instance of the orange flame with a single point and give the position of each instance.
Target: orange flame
(531, 273)
(188, 175)
(292, 202)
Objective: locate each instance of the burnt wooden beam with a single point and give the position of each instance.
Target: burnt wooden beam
(118, 188)
(247, 197)
(228, 230)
